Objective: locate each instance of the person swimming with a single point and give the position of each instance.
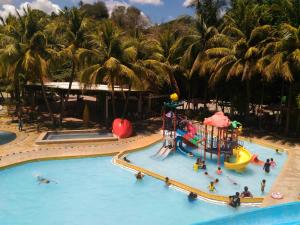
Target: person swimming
(232, 181)
(126, 160)
(42, 180)
(139, 176)
(192, 196)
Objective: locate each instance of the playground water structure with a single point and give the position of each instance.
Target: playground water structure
(93, 191)
(6, 137)
(285, 214)
(180, 168)
(74, 136)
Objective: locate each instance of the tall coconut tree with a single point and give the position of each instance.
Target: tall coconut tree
(70, 28)
(26, 51)
(108, 64)
(282, 57)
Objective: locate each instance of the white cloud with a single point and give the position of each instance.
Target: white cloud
(187, 3)
(5, 2)
(151, 2)
(45, 5)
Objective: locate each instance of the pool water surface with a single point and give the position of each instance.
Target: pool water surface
(6, 137)
(180, 167)
(93, 191)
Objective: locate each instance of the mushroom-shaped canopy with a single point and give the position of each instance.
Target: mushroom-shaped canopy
(217, 120)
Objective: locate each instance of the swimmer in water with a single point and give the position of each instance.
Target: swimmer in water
(42, 180)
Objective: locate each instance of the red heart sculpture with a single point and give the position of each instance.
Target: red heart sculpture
(122, 128)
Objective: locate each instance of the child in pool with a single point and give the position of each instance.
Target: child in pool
(273, 163)
(219, 171)
(196, 167)
(211, 187)
(263, 185)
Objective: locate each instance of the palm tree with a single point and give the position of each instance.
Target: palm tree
(70, 26)
(109, 60)
(194, 59)
(282, 57)
(26, 51)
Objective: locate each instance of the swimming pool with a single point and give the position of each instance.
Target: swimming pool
(179, 167)
(6, 137)
(71, 136)
(92, 191)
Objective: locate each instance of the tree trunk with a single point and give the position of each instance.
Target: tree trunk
(62, 110)
(260, 113)
(288, 111)
(126, 102)
(174, 82)
(17, 93)
(113, 100)
(281, 108)
(248, 96)
(46, 100)
(298, 122)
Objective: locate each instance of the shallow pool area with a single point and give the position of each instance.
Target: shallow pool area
(179, 167)
(75, 136)
(93, 191)
(6, 137)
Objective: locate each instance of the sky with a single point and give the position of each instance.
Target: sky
(157, 10)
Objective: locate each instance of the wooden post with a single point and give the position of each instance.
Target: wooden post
(164, 121)
(218, 141)
(212, 140)
(175, 129)
(149, 103)
(106, 107)
(205, 141)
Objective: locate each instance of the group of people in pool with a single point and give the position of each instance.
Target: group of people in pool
(270, 163)
(235, 200)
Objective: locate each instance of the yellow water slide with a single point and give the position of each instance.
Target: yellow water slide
(242, 159)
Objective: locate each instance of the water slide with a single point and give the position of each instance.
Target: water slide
(284, 214)
(163, 152)
(242, 159)
(190, 137)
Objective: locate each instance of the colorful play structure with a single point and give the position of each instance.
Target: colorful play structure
(217, 135)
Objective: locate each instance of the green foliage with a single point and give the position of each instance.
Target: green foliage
(96, 11)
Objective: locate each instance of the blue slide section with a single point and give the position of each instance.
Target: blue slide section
(285, 214)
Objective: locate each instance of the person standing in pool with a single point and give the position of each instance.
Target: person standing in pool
(267, 166)
(273, 163)
(263, 185)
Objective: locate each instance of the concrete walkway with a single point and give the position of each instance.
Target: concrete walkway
(23, 148)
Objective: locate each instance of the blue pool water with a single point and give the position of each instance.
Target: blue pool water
(6, 137)
(180, 167)
(94, 191)
(284, 214)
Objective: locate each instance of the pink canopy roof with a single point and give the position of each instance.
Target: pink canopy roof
(217, 120)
